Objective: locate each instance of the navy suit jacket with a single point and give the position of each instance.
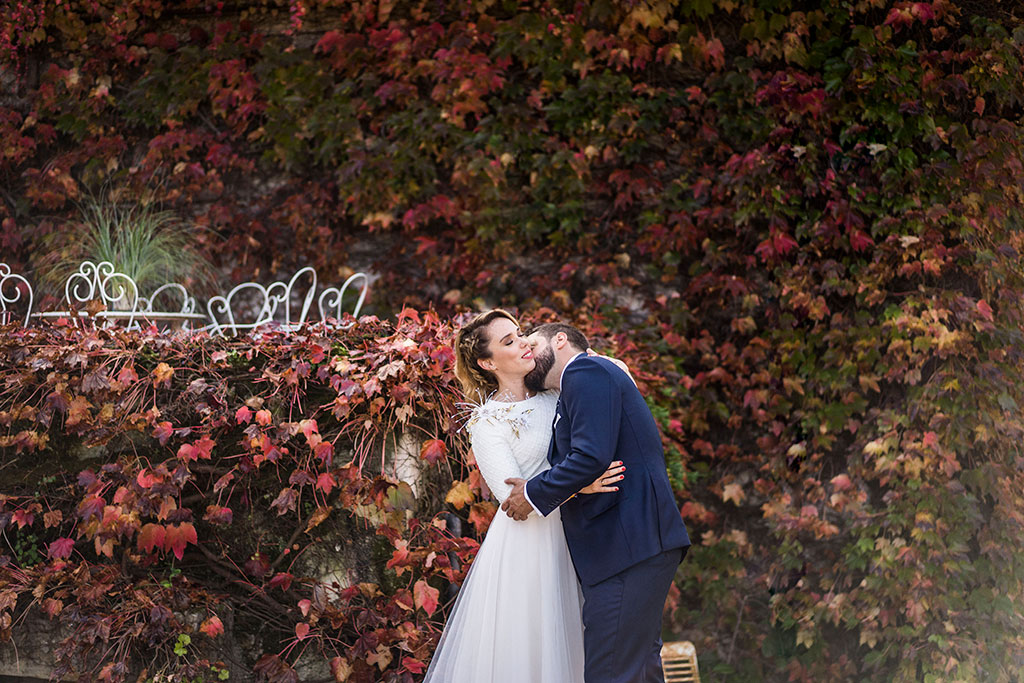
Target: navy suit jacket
(602, 417)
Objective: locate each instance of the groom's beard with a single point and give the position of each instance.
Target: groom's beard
(535, 378)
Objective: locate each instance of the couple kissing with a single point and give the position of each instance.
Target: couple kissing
(569, 584)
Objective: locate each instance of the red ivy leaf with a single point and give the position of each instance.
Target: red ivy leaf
(301, 630)
(23, 518)
(121, 495)
(198, 450)
(403, 598)
(86, 478)
(426, 596)
(91, 506)
(309, 428)
(163, 431)
(78, 411)
(282, 580)
(212, 627)
(243, 415)
(340, 669)
(400, 557)
(325, 482)
(285, 500)
(481, 514)
(218, 514)
(151, 536)
(204, 447)
(325, 452)
(145, 479)
(186, 452)
(219, 485)
(275, 670)
(432, 451)
(985, 310)
(414, 666)
(127, 375)
(178, 536)
(52, 607)
(162, 375)
(459, 495)
(860, 240)
(61, 548)
(841, 482)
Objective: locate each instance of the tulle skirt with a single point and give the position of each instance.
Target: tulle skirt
(517, 618)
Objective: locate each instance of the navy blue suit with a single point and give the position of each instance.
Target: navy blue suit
(627, 545)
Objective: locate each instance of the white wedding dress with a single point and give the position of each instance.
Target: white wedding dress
(517, 618)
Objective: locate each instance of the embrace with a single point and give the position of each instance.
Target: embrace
(569, 587)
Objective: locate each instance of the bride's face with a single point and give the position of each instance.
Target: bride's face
(511, 353)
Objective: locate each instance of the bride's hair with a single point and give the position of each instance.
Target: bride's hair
(470, 347)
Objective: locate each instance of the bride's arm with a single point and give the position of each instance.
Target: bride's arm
(493, 454)
(606, 482)
(618, 363)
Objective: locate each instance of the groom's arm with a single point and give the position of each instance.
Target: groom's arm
(592, 402)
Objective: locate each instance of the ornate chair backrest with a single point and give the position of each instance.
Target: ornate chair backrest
(679, 662)
(250, 304)
(171, 298)
(285, 294)
(331, 299)
(13, 288)
(100, 281)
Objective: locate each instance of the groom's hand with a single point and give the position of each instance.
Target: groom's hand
(516, 506)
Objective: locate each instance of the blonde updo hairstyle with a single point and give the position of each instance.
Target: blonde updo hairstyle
(471, 344)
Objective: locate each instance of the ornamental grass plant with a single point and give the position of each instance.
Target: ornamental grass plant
(152, 246)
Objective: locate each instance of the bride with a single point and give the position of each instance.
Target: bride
(518, 614)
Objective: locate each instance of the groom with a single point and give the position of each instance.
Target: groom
(626, 546)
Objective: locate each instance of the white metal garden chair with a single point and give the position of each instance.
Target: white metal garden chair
(251, 305)
(15, 289)
(122, 302)
(332, 299)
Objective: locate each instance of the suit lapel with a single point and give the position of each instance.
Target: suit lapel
(552, 450)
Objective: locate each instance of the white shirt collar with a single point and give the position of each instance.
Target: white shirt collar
(581, 353)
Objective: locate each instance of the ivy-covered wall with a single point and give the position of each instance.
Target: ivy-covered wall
(194, 509)
(798, 222)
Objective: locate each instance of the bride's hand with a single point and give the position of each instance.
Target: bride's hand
(622, 366)
(603, 484)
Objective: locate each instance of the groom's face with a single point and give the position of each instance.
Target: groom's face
(544, 357)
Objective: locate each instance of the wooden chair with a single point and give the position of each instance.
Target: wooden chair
(679, 662)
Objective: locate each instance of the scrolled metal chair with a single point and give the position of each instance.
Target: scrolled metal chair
(679, 662)
(172, 292)
(251, 305)
(101, 281)
(332, 299)
(122, 302)
(13, 288)
(285, 293)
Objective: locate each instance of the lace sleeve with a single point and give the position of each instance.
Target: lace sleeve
(492, 447)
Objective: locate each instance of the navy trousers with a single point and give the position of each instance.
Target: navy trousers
(622, 622)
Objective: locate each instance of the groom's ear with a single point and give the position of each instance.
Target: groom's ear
(560, 340)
